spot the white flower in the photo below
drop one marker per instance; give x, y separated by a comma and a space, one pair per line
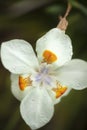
40, 82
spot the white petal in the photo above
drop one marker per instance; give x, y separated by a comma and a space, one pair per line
58, 43
19, 94
74, 74
37, 108
18, 56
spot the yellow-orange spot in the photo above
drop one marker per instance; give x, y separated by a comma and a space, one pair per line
60, 90
24, 82
49, 57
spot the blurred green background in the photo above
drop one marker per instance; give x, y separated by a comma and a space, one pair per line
29, 20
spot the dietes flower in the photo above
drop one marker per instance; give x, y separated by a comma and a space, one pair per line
40, 82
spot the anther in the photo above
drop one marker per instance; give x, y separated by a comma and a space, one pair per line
49, 57
60, 90
24, 82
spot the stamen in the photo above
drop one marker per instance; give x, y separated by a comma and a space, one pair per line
60, 90
49, 57
24, 82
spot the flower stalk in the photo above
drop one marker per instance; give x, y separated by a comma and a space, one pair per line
63, 21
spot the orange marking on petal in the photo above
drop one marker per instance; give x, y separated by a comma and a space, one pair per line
60, 90
49, 57
24, 82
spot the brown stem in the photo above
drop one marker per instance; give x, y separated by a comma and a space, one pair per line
68, 10
63, 21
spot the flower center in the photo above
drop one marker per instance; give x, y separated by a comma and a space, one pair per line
44, 76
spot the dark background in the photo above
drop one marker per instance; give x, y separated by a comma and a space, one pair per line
30, 19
